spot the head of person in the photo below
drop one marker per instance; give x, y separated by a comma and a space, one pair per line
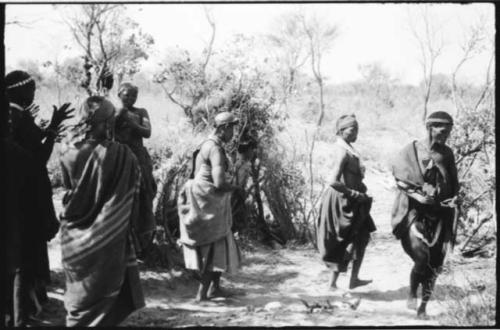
224, 124
98, 115
247, 148
20, 88
128, 94
347, 128
439, 125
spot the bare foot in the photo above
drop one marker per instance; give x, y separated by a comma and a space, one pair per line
201, 298
358, 282
422, 315
333, 288
219, 292
411, 303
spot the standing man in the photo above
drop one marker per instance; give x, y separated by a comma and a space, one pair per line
205, 212
20, 89
423, 216
344, 224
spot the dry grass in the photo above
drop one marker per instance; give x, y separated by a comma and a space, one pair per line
469, 296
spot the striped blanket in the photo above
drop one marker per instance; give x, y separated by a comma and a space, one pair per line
102, 279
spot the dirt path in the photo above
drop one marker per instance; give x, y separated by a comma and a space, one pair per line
272, 284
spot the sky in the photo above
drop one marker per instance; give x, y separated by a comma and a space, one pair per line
368, 32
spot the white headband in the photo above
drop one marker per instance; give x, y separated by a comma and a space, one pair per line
21, 83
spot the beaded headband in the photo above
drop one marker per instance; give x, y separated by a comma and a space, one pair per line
21, 83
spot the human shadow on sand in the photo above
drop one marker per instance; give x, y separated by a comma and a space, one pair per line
402, 293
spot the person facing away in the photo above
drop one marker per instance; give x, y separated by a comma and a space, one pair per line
20, 90
132, 125
344, 224
205, 212
100, 211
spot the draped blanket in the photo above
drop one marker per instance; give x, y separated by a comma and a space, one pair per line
339, 221
405, 168
97, 255
146, 222
205, 214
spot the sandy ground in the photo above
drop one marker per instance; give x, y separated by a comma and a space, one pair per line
272, 285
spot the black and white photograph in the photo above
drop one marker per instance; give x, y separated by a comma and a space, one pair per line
248, 164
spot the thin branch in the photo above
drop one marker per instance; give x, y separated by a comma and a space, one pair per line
212, 39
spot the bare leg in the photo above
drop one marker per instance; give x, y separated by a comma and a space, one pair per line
333, 280
356, 266
427, 288
204, 284
215, 290
414, 283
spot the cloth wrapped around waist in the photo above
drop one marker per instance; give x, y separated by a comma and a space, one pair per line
204, 213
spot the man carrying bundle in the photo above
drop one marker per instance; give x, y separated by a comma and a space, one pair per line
424, 212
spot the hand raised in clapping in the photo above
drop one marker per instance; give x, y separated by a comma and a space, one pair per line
59, 115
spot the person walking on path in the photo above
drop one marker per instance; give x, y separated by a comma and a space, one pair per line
344, 223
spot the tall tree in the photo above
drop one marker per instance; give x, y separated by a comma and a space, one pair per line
427, 32
321, 36
184, 80
475, 41
112, 44
289, 44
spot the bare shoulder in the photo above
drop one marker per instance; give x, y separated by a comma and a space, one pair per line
77, 154
142, 112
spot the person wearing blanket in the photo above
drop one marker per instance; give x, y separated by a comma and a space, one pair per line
205, 212
99, 219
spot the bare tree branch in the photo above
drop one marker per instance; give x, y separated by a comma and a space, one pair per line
430, 43
209, 49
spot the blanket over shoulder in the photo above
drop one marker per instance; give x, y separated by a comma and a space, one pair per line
95, 236
405, 168
204, 213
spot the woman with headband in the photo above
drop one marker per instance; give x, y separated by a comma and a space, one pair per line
29, 286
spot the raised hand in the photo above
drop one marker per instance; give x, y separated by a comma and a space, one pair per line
59, 115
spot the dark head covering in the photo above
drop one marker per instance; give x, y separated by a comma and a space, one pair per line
346, 121
16, 79
94, 110
126, 86
439, 117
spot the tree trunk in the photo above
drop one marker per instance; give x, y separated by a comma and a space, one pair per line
261, 222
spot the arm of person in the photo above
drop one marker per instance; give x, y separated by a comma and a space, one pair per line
48, 144
339, 163
408, 190
454, 174
144, 128
217, 161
